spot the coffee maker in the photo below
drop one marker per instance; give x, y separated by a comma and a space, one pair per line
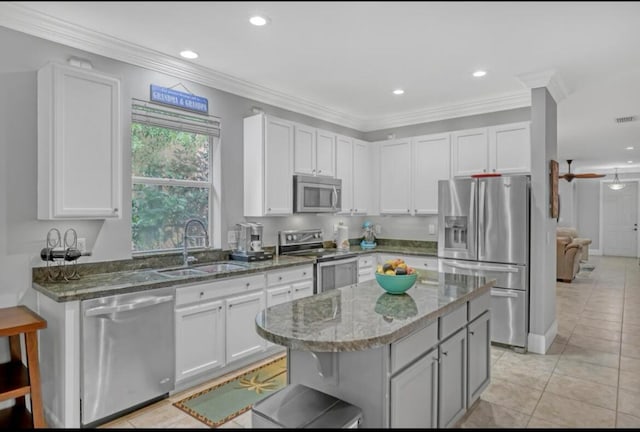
249, 246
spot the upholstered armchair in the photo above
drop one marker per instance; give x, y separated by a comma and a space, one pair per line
569, 252
573, 233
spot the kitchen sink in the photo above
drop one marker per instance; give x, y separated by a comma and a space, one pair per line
182, 272
220, 267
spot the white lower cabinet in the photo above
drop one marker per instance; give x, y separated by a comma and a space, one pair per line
366, 268
302, 289
241, 336
414, 396
200, 338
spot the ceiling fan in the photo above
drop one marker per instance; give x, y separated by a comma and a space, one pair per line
570, 176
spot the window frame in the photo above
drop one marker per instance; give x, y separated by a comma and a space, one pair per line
214, 225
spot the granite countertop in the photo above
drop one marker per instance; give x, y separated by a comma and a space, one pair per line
364, 316
111, 278
121, 282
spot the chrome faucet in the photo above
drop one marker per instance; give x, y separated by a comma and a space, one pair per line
185, 255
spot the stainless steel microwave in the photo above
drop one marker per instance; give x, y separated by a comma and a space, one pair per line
316, 194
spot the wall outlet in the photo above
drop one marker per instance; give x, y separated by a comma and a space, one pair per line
82, 244
377, 228
432, 229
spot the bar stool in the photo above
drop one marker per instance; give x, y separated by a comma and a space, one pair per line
16, 380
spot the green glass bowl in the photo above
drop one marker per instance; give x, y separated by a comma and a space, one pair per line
396, 284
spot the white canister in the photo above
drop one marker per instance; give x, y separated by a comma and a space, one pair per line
342, 237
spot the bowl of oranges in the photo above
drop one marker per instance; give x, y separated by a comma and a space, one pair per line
395, 276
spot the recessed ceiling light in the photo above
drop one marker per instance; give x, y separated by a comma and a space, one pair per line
188, 54
479, 73
398, 92
629, 161
257, 20
629, 148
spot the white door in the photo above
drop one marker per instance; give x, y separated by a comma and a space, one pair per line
470, 152
361, 177
278, 152
620, 219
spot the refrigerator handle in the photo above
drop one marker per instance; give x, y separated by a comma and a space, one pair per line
472, 229
482, 186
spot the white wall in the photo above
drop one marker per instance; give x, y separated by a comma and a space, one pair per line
568, 203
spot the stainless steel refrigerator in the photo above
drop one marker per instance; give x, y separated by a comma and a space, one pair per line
483, 228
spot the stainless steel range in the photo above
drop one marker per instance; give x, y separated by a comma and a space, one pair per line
333, 268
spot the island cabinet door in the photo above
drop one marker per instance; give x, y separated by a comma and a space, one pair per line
452, 395
414, 394
479, 366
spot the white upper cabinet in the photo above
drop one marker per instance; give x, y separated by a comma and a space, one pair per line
510, 148
362, 181
395, 177
304, 160
353, 162
344, 171
79, 144
431, 163
409, 172
314, 151
268, 166
470, 152
325, 153
503, 149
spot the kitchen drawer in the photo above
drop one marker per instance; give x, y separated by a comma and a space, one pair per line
478, 305
408, 349
223, 288
279, 277
422, 262
453, 321
366, 261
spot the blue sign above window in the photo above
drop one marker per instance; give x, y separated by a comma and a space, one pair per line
179, 99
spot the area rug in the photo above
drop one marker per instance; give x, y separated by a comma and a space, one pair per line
227, 400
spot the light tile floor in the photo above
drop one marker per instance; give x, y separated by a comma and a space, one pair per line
590, 377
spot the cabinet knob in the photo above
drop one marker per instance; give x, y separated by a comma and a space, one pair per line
115, 210
219, 307
471, 333
269, 209
494, 170
319, 171
444, 353
484, 170
297, 289
201, 293
279, 278
288, 292
230, 306
304, 273
248, 284
408, 210
356, 210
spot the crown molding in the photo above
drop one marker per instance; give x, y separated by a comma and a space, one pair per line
549, 79
21, 18
514, 100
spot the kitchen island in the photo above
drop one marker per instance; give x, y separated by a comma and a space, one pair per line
418, 359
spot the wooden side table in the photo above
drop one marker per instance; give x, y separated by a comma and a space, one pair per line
16, 379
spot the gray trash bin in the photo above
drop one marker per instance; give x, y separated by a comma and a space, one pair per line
297, 406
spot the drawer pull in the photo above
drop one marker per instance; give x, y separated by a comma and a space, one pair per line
201, 293
279, 278
444, 353
304, 273
248, 284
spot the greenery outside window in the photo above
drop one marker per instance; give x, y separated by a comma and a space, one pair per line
175, 161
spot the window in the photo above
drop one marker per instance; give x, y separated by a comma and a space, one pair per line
175, 164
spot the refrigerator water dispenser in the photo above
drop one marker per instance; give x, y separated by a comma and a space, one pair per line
455, 228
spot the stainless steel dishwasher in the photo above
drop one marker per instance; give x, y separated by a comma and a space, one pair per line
128, 352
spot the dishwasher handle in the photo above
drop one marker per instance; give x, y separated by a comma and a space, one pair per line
105, 310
